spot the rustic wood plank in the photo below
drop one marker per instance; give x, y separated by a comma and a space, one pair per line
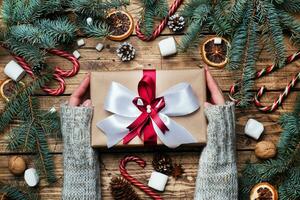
182, 188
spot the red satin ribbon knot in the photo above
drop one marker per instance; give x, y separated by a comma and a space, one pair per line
150, 107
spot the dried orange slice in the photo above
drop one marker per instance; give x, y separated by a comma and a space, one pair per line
120, 25
8, 88
214, 51
263, 191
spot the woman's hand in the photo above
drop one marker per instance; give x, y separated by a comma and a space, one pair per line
78, 96
215, 93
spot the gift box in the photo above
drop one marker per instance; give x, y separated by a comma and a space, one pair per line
138, 108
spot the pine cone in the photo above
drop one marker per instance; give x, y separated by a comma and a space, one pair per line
126, 51
162, 163
122, 190
38, 68
178, 171
176, 23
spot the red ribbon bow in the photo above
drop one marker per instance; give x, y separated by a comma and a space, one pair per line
150, 107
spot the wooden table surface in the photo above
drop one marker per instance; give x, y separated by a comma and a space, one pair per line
148, 56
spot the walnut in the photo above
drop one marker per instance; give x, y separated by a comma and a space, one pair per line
265, 150
16, 165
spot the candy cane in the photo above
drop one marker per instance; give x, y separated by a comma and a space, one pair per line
66, 73
58, 72
279, 100
162, 24
263, 72
132, 180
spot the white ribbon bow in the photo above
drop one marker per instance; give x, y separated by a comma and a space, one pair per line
180, 100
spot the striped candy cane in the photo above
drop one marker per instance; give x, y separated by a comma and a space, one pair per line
263, 72
58, 72
162, 24
132, 180
279, 100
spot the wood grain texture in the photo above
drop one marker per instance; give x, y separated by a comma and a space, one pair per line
182, 188
148, 56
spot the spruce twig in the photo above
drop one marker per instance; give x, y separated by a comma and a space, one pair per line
284, 170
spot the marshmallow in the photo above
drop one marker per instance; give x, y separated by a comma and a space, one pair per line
158, 181
167, 46
31, 177
218, 40
14, 71
80, 42
89, 21
254, 128
99, 47
52, 110
76, 54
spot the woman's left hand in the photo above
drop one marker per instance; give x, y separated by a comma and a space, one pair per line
78, 96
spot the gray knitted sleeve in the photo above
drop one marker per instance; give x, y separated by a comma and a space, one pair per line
81, 166
217, 172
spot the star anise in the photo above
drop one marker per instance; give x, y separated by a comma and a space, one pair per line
177, 171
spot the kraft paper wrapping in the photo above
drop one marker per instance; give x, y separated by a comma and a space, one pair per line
195, 123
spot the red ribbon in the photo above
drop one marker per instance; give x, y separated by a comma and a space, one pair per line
150, 107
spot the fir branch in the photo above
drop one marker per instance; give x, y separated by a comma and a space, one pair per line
152, 10
44, 159
241, 39
161, 8
219, 20
13, 108
291, 24
189, 8
290, 188
237, 11
7, 12
277, 1
13, 192
23, 11
247, 83
221, 17
96, 29
29, 34
61, 30
147, 21
95, 8
31, 135
274, 39
195, 25
291, 6
284, 170
51, 6
33, 55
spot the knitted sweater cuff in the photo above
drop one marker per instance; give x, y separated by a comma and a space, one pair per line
221, 132
76, 114
81, 166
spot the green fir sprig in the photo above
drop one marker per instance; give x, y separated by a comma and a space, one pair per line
152, 10
248, 25
282, 171
31, 135
97, 11
205, 13
265, 25
35, 127
31, 28
15, 192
